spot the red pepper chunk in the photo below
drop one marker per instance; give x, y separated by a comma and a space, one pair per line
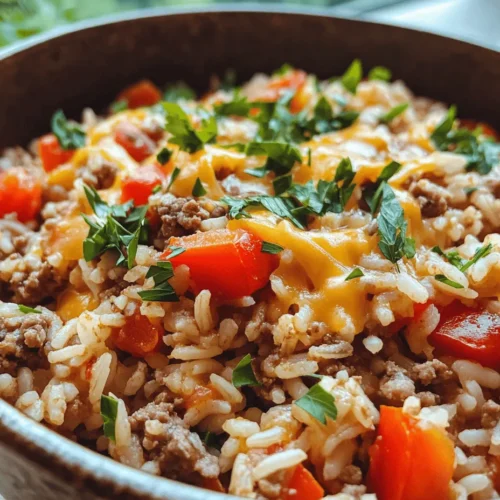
228, 263
137, 144
302, 485
409, 461
20, 193
469, 333
138, 336
139, 186
143, 93
51, 153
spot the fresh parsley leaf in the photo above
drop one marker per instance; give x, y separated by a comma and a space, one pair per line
309, 157
452, 257
373, 192
239, 106
281, 157
443, 279
394, 112
174, 252
392, 227
164, 156
198, 189
109, 412
209, 439
271, 248
469, 190
355, 273
243, 373
179, 91
118, 106
478, 254
380, 73
482, 153
318, 403
353, 75
183, 133
163, 290
156, 189
28, 310
70, 135
120, 228
282, 184
175, 173
283, 69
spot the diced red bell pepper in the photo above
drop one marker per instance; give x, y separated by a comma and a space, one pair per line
302, 485
138, 336
137, 144
228, 263
408, 461
139, 186
143, 93
51, 153
20, 193
469, 333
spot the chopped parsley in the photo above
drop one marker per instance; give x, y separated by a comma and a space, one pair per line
179, 91
355, 273
373, 192
454, 258
469, 190
443, 279
481, 153
109, 412
163, 290
281, 157
239, 106
353, 75
175, 173
394, 112
119, 227
271, 248
198, 189
28, 310
243, 373
392, 227
183, 133
70, 135
174, 252
380, 73
318, 403
478, 254
118, 106
164, 156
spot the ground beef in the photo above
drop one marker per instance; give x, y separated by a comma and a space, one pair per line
100, 175
34, 284
181, 216
21, 338
54, 193
396, 386
433, 199
431, 372
179, 452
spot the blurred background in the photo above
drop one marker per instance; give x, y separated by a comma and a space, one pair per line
474, 20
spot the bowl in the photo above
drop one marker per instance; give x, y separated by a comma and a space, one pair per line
88, 63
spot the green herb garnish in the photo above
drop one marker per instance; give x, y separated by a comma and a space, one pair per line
163, 290
394, 112
380, 73
183, 133
109, 412
355, 273
118, 106
239, 106
271, 248
281, 157
175, 173
373, 193
164, 156
243, 373
443, 279
174, 252
353, 75
454, 258
478, 254
119, 227
70, 135
318, 403
28, 310
198, 189
179, 91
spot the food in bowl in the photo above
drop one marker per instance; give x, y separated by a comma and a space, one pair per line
287, 289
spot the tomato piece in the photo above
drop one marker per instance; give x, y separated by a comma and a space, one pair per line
143, 93
20, 193
399, 324
138, 336
469, 333
137, 144
303, 486
407, 461
200, 395
228, 263
51, 153
291, 80
213, 484
488, 130
139, 186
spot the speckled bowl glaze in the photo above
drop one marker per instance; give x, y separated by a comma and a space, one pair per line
87, 64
